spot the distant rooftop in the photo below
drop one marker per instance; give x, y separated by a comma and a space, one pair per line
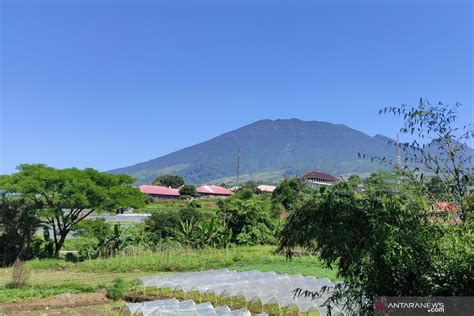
266, 188
158, 190
319, 175
214, 190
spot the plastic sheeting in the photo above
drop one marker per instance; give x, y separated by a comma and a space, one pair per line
173, 307
254, 286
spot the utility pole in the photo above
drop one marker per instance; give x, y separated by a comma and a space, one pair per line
238, 165
399, 160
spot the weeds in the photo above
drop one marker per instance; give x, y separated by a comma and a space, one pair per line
20, 274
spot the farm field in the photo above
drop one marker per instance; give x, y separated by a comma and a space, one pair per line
54, 276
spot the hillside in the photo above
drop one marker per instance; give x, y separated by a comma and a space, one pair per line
269, 150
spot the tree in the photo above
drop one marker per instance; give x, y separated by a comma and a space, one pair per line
188, 190
65, 197
446, 154
287, 192
354, 180
169, 180
18, 225
249, 222
383, 244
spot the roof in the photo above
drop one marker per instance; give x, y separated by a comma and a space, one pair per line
321, 175
213, 189
439, 207
158, 190
266, 188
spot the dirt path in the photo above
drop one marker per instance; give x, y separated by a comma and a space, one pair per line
65, 304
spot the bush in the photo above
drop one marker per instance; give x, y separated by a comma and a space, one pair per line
117, 290
195, 204
165, 224
247, 218
188, 190
384, 243
20, 274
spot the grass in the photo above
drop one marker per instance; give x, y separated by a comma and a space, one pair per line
53, 276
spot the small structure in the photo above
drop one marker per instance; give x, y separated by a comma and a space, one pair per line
159, 192
444, 207
319, 178
213, 191
445, 212
264, 188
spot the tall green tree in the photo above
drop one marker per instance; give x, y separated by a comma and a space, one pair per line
439, 145
288, 192
18, 225
169, 180
188, 189
383, 244
65, 197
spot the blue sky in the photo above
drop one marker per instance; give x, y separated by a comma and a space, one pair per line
95, 84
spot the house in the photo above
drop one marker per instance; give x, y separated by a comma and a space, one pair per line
445, 212
266, 188
213, 191
444, 207
159, 192
319, 178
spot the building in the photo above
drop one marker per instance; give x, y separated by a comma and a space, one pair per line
159, 192
213, 191
319, 178
444, 207
266, 188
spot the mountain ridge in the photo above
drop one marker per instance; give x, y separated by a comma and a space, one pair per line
267, 146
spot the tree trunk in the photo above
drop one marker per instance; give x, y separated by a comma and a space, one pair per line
58, 244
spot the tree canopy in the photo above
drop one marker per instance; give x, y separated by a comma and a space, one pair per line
169, 180
64, 197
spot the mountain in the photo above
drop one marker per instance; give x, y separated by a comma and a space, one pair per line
270, 150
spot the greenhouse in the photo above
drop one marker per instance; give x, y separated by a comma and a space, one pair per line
265, 288
173, 307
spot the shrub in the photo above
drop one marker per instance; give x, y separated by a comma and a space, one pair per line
195, 204
188, 190
20, 274
117, 290
246, 217
384, 244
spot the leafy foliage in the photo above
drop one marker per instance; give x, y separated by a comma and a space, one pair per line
169, 180
117, 290
249, 222
447, 154
288, 192
66, 197
384, 243
188, 190
18, 225
166, 224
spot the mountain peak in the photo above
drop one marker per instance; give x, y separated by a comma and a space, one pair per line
269, 150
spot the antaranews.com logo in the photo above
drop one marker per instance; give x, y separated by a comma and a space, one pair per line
392, 305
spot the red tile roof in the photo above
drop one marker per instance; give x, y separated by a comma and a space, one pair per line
213, 190
320, 175
158, 190
439, 207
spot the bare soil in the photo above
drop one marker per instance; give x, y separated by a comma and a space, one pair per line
64, 304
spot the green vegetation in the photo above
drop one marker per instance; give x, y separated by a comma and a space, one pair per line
54, 276
62, 198
169, 180
118, 289
188, 190
386, 239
